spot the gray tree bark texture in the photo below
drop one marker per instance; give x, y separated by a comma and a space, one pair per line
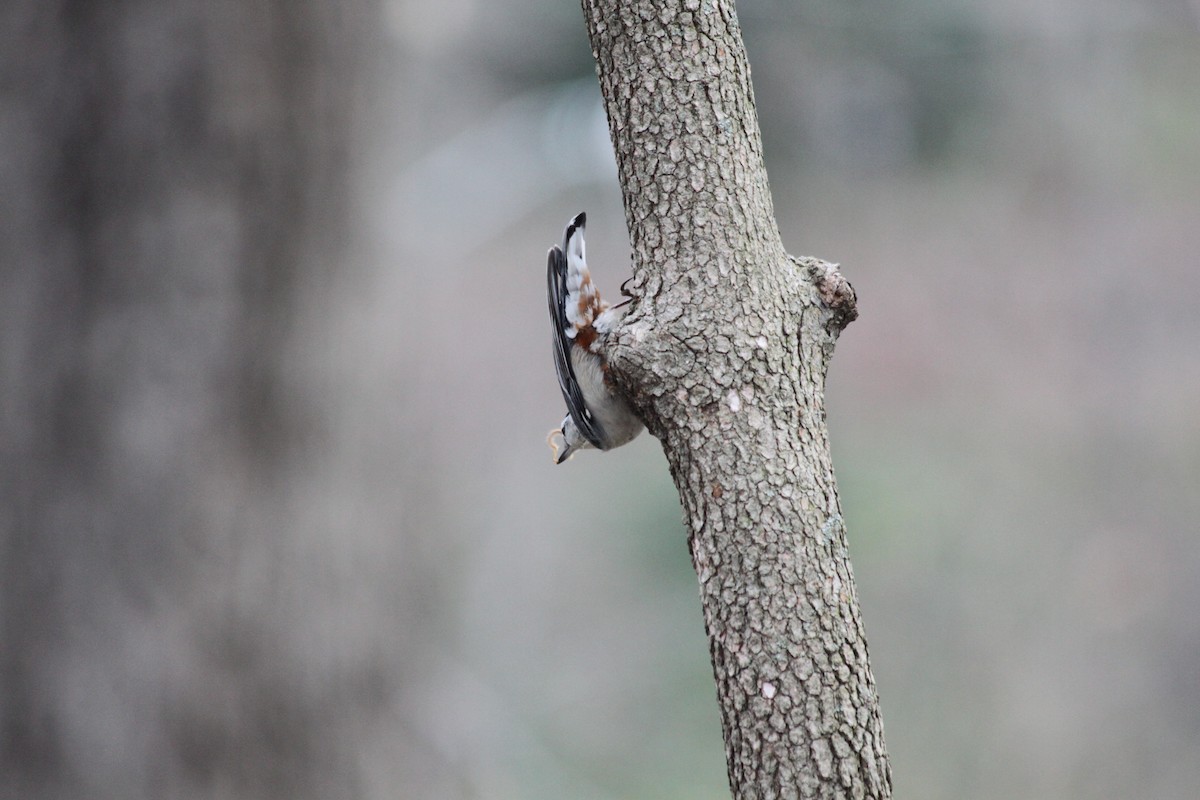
724, 354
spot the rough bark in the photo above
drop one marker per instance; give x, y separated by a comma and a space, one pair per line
725, 354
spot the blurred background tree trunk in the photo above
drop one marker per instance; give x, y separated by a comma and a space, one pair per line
171, 172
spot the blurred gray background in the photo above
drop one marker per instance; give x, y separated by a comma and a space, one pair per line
278, 520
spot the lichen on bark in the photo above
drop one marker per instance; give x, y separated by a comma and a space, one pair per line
724, 354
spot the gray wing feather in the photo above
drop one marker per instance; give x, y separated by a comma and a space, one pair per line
556, 293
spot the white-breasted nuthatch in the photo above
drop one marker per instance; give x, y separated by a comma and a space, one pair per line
597, 416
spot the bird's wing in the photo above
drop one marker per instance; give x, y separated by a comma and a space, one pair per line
556, 293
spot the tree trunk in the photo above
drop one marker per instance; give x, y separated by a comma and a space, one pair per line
171, 171
724, 354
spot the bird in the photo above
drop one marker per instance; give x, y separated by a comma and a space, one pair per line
597, 414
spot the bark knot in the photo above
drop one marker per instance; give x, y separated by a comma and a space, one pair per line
836, 294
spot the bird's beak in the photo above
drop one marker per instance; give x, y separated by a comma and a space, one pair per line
566, 453
567, 450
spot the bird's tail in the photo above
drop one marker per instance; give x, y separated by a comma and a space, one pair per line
583, 303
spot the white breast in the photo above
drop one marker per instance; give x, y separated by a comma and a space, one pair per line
617, 423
